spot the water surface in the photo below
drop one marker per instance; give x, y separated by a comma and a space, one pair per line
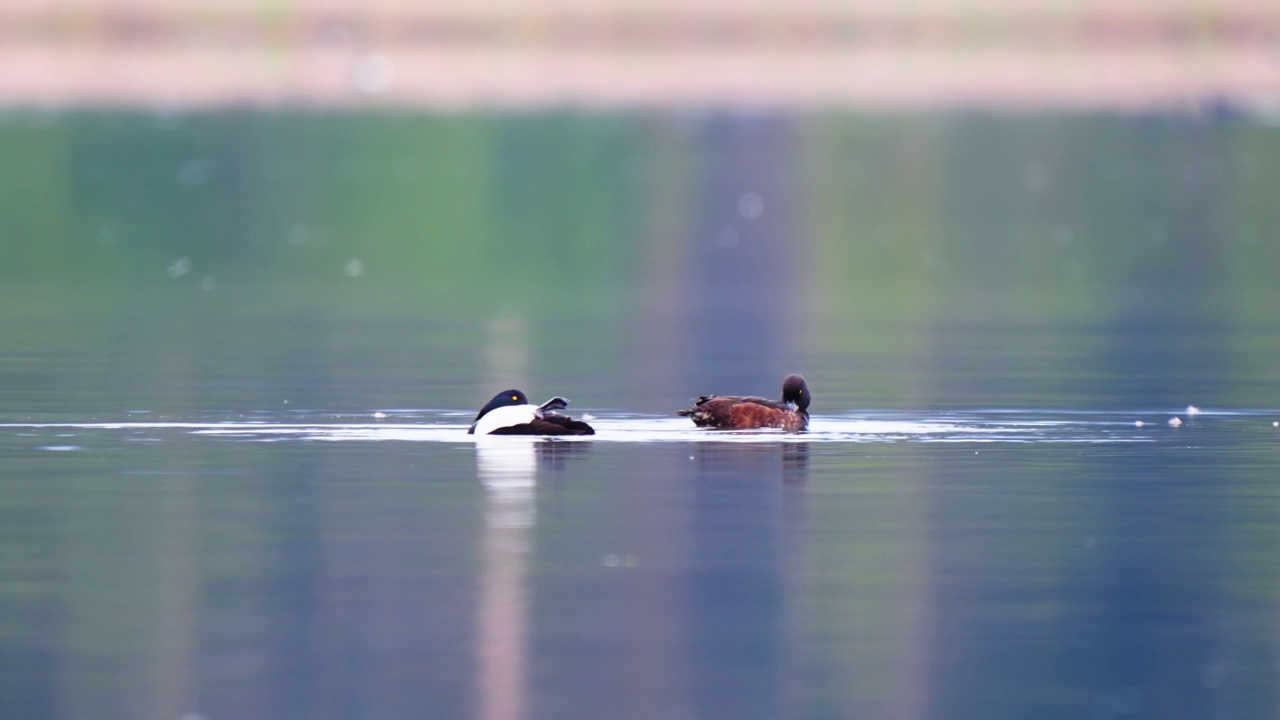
238, 353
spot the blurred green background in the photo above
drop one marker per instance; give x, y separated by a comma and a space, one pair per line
399, 259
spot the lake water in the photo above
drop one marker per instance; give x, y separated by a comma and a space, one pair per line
239, 351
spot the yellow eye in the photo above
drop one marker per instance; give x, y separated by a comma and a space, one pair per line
799, 392
515, 397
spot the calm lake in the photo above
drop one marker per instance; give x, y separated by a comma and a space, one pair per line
239, 352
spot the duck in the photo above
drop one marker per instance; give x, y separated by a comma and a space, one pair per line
510, 413
731, 412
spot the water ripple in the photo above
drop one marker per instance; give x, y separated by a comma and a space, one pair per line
987, 426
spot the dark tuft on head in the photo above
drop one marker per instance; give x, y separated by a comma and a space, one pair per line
795, 390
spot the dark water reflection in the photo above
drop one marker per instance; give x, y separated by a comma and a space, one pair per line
201, 515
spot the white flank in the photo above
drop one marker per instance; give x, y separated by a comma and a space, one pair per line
505, 417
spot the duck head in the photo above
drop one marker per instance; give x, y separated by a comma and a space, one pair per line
796, 390
503, 399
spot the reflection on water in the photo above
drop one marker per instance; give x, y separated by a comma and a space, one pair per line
787, 460
509, 467
521, 578
632, 263
509, 473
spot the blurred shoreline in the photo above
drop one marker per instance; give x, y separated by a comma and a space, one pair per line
496, 54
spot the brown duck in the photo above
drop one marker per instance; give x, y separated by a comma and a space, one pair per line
731, 412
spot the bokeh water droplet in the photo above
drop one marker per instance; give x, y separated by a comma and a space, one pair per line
178, 268
750, 205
